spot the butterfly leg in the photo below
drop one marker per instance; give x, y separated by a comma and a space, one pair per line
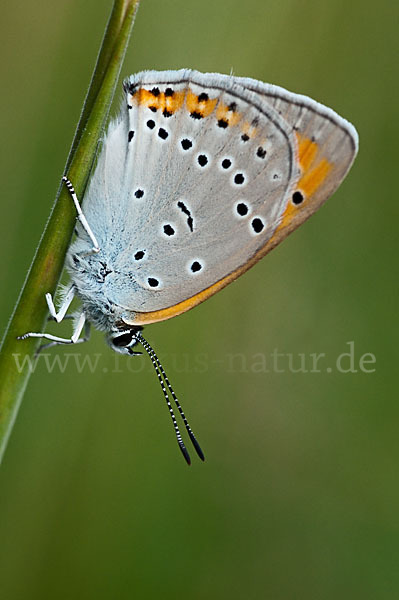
85, 338
54, 339
81, 217
58, 317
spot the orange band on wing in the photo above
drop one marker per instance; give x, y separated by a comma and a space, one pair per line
160, 101
172, 311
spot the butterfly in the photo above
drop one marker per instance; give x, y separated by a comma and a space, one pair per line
198, 178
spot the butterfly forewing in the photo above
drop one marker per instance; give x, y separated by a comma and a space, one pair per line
207, 171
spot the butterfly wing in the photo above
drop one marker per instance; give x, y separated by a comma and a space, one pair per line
211, 165
326, 143
201, 176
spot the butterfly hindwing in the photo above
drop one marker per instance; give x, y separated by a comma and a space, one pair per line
326, 148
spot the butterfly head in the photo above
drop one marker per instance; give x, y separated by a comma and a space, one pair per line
123, 341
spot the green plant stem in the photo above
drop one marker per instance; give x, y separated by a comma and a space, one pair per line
30, 312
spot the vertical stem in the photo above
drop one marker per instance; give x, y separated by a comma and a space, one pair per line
30, 312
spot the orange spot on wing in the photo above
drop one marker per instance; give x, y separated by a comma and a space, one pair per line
248, 129
191, 101
175, 102
224, 112
312, 180
145, 98
204, 107
307, 151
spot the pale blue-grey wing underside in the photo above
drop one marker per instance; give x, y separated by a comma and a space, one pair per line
179, 200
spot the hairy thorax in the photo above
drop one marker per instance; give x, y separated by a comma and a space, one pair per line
94, 278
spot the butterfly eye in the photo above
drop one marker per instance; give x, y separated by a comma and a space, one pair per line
124, 340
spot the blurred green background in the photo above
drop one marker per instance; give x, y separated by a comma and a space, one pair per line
299, 495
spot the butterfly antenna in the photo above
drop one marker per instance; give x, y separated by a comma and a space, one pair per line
155, 361
182, 447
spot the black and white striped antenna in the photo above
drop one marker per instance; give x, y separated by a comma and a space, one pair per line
163, 379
